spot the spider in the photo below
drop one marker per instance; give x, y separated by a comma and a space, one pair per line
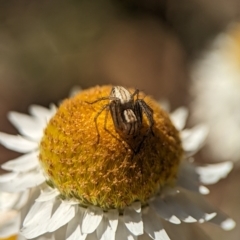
127, 114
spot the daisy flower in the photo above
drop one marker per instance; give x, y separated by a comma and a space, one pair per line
72, 183
216, 94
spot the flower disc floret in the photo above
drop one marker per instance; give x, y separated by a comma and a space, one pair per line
107, 173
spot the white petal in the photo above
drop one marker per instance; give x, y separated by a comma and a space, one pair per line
8, 200
37, 224
113, 215
193, 139
73, 229
17, 143
22, 200
22, 182
46, 236
91, 219
187, 183
7, 177
26, 125
177, 209
10, 224
64, 213
47, 195
194, 206
184, 231
104, 231
132, 218
223, 221
204, 190
228, 224
189, 179
123, 233
23, 163
43, 114
211, 174
92, 236
164, 211
21, 237
37, 210
153, 226
179, 117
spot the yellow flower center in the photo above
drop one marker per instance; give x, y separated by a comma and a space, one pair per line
107, 173
10, 238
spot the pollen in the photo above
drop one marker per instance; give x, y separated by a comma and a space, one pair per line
106, 172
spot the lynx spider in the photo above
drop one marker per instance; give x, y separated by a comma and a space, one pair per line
127, 114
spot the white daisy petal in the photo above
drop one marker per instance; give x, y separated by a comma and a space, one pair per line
226, 223
193, 139
204, 190
7, 177
123, 233
164, 210
184, 231
43, 114
8, 200
132, 218
64, 213
9, 223
22, 182
210, 174
37, 210
153, 226
22, 200
91, 219
179, 117
47, 195
27, 125
216, 94
46, 236
104, 231
218, 218
73, 229
178, 210
195, 207
21, 237
184, 182
189, 179
113, 215
23, 163
14, 201
34, 230
92, 236
37, 224
17, 143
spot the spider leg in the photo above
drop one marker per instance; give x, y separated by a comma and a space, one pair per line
95, 120
101, 99
140, 108
136, 92
148, 112
138, 112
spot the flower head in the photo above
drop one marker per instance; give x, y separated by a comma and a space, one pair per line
83, 186
216, 94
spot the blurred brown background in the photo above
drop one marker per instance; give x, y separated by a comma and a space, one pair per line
46, 47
